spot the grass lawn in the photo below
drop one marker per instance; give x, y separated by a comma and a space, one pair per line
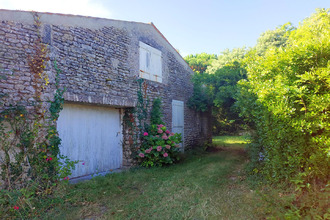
204, 186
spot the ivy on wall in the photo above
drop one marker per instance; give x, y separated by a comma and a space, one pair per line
31, 166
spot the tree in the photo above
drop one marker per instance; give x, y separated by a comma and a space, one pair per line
199, 62
227, 56
287, 98
274, 38
216, 90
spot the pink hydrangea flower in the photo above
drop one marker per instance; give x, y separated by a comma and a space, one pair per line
168, 147
145, 134
159, 148
49, 159
141, 155
171, 134
165, 154
167, 131
160, 131
160, 126
157, 136
148, 151
164, 137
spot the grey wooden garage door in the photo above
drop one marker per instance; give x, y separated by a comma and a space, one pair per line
91, 135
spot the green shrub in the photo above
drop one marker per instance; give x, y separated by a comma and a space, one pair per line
287, 100
159, 147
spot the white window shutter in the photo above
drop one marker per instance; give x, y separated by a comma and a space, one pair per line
143, 64
157, 67
150, 63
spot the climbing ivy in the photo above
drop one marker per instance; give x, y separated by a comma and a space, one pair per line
135, 119
31, 166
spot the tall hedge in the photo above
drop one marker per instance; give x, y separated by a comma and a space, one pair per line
286, 98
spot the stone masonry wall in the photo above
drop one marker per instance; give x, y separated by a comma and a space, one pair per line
99, 59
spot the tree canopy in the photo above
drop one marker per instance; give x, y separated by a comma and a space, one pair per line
281, 89
199, 62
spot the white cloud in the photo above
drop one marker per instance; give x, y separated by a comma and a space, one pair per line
76, 7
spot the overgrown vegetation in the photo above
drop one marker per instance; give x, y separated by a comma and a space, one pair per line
151, 143
204, 186
159, 146
30, 162
284, 98
215, 89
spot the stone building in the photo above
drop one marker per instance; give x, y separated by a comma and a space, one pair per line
101, 60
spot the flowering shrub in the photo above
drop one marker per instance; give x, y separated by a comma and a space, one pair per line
159, 147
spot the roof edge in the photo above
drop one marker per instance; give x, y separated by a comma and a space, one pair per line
152, 24
12, 15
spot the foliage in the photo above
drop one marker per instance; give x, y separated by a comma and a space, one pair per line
273, 38
286, 98
218, 90
156, 112
291, 88
37, 167
159, 147
30, 164
135, 119
146, 143
199, 100
141, 110
201, 187
227, 57
199, 62
133, 134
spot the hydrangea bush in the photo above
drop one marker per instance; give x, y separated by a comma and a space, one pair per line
159, 147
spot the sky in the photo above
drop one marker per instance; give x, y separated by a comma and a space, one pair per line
191, 26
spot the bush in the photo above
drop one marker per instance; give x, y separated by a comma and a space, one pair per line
287, 99
159, 147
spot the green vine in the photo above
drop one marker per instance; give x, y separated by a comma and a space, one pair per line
31, 166
135, 119
141, 109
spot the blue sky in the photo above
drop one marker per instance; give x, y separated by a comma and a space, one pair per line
191, 26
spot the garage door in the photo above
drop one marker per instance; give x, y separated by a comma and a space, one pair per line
92, 135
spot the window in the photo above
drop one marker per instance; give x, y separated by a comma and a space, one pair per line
150, 63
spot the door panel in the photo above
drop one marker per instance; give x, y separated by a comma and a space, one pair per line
91, 135
178, 119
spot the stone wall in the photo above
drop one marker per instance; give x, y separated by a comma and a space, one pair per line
99, 59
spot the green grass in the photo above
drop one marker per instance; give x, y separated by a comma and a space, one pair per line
203, 186
230, 141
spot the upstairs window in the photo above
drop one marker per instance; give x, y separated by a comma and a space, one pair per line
150, 63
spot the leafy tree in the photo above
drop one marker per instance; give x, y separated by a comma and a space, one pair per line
199, 100
200, 62
286, 97
273, 38
217, 91
227, 57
